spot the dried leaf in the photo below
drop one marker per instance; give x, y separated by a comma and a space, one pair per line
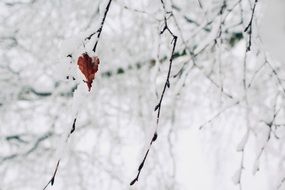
88, 66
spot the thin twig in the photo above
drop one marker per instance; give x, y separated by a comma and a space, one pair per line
218, 114
166, 85
270, 125
99, 31
248, 29
102, 24
51, 181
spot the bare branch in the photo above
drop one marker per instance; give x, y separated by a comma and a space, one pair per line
101, 27
166, 85
248, 29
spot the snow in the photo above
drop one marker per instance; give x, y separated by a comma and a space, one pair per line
243, 141
236, 177
272, 28
116, 119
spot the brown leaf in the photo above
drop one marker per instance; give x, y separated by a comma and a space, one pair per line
88, 66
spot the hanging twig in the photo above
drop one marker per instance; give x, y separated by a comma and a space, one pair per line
102, 24
99, 31
51, 181
166, 85
248, 29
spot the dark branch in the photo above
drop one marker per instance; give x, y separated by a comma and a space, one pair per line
166, 85
101, 27
94, 50
248, 29
51, 181
73, 126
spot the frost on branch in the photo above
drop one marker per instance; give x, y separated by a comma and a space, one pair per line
88, 66
243, 142
236, 177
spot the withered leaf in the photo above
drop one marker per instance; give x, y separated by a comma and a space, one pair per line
88, 66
